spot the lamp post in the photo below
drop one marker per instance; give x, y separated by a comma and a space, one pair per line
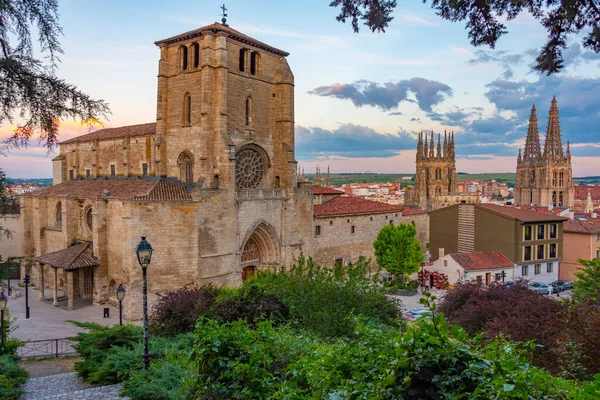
120, 297
503, 275
27, 281
3, 301
144, 255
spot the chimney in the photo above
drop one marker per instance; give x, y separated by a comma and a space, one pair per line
594, 215
440, 252
550, 206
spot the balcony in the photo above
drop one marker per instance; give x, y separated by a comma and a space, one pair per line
260, 194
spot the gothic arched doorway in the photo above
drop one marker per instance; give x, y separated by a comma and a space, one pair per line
261, 248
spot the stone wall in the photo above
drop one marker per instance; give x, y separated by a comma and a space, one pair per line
337, 239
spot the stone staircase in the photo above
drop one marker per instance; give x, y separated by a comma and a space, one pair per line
67, 386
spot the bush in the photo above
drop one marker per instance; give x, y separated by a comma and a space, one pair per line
579, 352
251, 304
11, 377
176, 311
518, 313
428, 361
107, 353
324, 299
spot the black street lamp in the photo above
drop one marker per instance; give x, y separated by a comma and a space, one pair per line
144, 255
3, 301
503, 275
120, 297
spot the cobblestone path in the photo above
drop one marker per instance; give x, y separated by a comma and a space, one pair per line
67, 386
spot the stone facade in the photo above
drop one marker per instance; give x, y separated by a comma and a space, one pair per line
544, 179
435, 179
212, 183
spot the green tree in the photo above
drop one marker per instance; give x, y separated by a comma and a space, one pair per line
588, 285
397, 249
484, 21
31, 96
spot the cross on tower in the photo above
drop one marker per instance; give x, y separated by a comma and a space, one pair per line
224, 19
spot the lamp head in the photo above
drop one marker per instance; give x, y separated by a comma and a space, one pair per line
120, 292
144, 252
3, 301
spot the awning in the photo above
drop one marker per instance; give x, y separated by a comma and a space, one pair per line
71, 258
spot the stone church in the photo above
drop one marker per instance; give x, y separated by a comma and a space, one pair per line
435, 178
212, 184
544, 179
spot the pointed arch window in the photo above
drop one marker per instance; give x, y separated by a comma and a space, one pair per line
438, 191
196, 53
186, 168
561, 179
187, 109
58, 215
249, 111
438, 173
532, 179
183, 53
554, 175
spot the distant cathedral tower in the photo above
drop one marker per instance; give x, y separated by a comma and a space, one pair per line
436, 171
544, 179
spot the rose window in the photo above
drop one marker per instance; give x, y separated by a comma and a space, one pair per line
249, 169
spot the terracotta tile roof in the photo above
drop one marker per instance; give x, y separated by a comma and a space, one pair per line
352, 205
114, 133
521, 214
589, 226
412, 211
217, 27
71, 258
147, 189
325, 190
480, 260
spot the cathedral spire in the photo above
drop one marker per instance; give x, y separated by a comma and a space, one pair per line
553, 147
420, 146
318, 177
439, 146
328, 178
425, 148
431, 147
568, 150
532, 143
519, 160
445, 145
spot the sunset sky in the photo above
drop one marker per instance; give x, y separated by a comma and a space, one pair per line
361, 99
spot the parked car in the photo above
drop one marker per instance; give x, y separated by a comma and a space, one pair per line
539, 287
510, 284
418, 314
561, 286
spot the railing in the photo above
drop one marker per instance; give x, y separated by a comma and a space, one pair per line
47, 348
253, 194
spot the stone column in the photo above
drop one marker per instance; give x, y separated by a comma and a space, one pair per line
55, 302
41, 282
70, 290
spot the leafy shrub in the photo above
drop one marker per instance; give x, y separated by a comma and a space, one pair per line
251, 304
107, 353
176, 311
579, 352
430, 360
323, 299
518, 313
11, 377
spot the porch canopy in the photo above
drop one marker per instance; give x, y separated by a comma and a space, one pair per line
71, 259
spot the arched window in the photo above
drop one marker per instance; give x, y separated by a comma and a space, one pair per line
554, 200
438, 191
532, 178
560, 199
243, 60
249, 111
186, 168
183, 50
196, 51
554, 179
187, 109
58, 215
427, 175
89, 220
561, 179
438, 173
254, 63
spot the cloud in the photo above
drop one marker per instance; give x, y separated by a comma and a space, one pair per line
389, 95
501, 58
351, 141
396, 113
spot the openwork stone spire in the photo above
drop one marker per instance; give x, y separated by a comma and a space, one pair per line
439, 146
431, 146
553, 147
532, 143
426, 147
